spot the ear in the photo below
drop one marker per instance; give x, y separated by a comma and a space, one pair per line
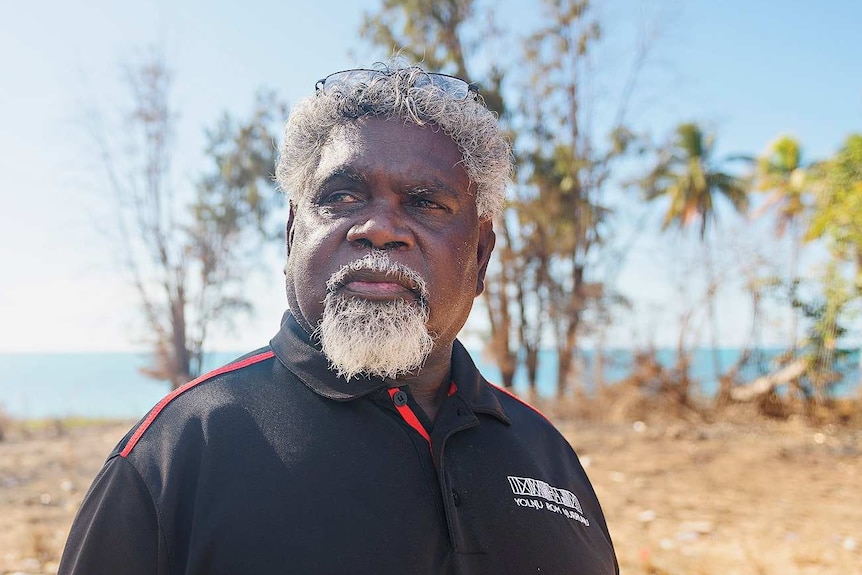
288, 229
487, 239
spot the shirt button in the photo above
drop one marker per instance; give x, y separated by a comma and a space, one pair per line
400, 398
456, 498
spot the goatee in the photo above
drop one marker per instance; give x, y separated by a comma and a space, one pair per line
373, 338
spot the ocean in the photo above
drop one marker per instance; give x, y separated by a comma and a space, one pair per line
109, 385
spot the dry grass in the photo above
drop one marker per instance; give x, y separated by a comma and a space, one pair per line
684, 491
45, 469
770, 497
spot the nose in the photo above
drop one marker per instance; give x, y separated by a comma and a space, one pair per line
381, 228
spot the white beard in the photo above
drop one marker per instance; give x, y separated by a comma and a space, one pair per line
373, 338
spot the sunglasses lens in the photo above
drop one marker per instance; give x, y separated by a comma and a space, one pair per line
350, 79
453, 86
346, 79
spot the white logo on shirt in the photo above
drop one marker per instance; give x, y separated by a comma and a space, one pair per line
555, 499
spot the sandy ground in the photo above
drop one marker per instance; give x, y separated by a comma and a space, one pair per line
781, 498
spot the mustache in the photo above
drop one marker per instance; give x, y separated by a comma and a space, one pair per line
379, 262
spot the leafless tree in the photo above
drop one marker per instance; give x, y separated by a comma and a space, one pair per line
184, 247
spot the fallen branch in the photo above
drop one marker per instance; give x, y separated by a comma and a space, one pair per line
765, 384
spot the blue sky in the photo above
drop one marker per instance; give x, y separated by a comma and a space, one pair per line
749, 70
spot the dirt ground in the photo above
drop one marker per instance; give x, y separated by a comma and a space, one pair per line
774, 497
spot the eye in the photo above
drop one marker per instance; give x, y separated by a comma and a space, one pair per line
426, 201
338, 197
428, 204
333, 203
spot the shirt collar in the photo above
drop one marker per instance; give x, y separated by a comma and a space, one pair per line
297, 352
302, 356
474, 389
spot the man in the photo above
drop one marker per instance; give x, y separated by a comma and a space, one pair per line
362, 439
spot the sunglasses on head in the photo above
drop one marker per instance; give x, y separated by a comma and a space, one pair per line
451, 85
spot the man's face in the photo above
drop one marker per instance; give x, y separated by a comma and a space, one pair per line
399, 188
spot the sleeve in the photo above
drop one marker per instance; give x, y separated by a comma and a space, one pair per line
117, 528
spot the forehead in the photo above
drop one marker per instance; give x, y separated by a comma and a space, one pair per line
376, 147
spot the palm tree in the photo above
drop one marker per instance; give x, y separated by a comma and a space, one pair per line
693, 180
687, 174
781, 174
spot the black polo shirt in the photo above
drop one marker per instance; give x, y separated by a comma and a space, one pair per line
273, 465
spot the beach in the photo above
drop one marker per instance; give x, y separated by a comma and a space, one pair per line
679, 498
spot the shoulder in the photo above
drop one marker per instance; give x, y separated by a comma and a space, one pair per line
528, 422
194, 402
519, 410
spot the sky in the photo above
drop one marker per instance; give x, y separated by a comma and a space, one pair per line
748, 70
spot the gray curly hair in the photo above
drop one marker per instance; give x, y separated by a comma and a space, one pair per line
398, 92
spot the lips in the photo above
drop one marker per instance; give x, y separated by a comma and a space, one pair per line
377, 285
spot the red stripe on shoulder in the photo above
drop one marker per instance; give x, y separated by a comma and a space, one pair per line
154, 413
519, 400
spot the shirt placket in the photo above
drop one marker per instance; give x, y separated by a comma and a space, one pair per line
454, 416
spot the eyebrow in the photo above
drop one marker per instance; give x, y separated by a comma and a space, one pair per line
343, 172
433, 186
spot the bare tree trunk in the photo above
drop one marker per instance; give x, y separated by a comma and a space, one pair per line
711, 294
571, 320
530, 332
794, 277
499, 309
599, 361
564, 368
